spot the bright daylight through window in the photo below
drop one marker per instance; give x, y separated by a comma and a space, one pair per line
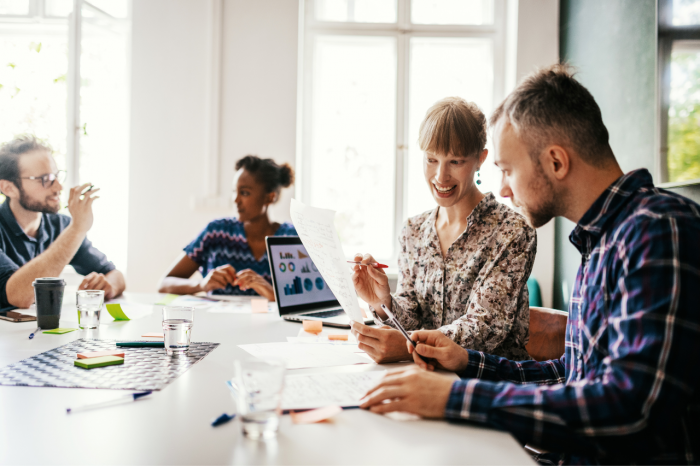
372, 68
37, 90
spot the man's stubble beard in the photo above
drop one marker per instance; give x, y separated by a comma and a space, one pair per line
34, 206
548, 206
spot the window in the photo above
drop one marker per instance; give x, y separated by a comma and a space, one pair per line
63, 78
679, 78
372, 68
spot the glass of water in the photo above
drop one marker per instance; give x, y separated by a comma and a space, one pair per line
177, 329
259, 386
89, 303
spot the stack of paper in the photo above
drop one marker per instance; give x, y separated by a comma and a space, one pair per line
301, 356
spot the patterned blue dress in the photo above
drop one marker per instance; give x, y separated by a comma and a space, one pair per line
222, 242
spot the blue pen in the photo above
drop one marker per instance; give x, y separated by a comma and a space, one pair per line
121, 399
223, 419
31, 335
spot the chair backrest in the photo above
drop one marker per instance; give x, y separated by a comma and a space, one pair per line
547, 333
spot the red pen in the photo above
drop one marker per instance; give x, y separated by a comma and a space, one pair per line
376, 265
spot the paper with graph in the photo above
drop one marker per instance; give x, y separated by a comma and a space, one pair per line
317, 231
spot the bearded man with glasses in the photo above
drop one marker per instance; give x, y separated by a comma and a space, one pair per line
35, 240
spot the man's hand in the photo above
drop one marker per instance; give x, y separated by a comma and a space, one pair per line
383, 344
371, 284
411, 390
219, 278
248, 278
81, 209
98, 281
442, 352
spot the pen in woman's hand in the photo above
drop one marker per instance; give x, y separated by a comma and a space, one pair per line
376, 265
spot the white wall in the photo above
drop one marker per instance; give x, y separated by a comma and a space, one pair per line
537, 44
169, 115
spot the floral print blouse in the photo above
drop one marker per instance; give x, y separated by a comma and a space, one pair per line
477, 294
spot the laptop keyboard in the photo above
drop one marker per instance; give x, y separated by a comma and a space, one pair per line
331, 313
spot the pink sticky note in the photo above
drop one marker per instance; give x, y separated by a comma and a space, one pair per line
259, 305
153, 335
315, 415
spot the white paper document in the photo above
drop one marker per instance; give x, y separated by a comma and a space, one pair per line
298, 356
308, 391
316, 228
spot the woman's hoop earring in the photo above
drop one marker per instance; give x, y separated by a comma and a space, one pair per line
478, 176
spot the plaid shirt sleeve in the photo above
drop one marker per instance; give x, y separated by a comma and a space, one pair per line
645, 327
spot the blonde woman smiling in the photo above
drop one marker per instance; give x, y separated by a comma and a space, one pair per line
463, 266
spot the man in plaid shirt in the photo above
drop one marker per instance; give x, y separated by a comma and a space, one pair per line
626, 389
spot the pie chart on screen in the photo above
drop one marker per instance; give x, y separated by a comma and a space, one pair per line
308, 285
319, 283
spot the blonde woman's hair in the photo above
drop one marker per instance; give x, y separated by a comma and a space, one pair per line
453, 125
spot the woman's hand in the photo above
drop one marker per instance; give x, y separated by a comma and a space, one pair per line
440, 351
219, 278
248, 279
371, 284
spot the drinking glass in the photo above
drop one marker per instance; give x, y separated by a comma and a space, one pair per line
177, 329
259, 386
89, 303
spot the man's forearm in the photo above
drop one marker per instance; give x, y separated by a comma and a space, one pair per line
116, 279
50, 263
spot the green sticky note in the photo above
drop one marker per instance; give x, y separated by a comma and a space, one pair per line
90, 363
115, 310
167, 299
60, 331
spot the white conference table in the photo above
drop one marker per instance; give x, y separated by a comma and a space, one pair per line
173, 426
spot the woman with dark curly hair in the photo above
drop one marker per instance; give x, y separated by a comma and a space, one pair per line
230, 252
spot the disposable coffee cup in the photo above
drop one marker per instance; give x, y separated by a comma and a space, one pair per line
48, 296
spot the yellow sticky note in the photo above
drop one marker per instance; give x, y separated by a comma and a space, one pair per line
115, 310
167, 299
258, 305
60, 331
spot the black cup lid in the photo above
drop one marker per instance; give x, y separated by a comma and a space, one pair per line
49, 281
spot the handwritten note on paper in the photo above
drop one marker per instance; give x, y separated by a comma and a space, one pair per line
306, 391
317, 231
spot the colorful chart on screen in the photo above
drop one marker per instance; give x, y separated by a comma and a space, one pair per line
298, 279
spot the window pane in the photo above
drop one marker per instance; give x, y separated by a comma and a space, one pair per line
116, 8
686, 12
14, 7
684, 113
452, 11
358, 11
443, 67
33, 85
350, 166
104, 141
58, 8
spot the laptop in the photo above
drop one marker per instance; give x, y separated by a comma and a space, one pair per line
300, 290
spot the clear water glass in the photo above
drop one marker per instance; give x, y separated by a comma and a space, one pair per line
259, 386
89, 304
177, 329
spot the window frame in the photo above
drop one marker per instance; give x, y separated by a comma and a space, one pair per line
667, 35
403, 31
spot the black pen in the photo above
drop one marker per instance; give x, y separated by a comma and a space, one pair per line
400, 328
141, 344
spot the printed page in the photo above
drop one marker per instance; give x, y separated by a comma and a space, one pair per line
298, 356
317, 231
308, 391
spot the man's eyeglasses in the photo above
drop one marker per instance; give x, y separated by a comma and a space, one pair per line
48, 179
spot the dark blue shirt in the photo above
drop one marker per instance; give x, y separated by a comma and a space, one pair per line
223, 242
16, 248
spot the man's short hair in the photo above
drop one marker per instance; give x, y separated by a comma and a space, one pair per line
10, 153
453, 125
551, 107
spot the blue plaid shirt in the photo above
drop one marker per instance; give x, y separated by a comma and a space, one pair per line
626, 388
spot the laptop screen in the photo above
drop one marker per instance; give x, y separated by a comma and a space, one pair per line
296, 278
